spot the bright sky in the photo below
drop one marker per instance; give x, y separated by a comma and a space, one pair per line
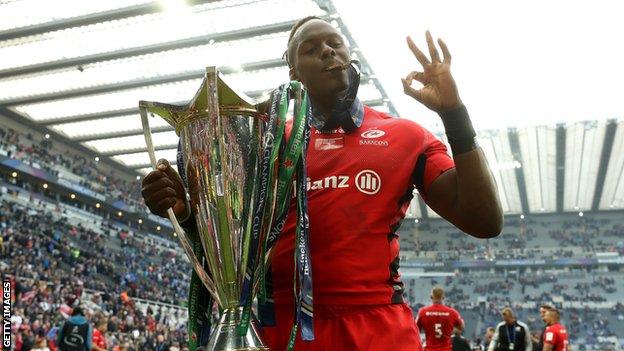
516, 63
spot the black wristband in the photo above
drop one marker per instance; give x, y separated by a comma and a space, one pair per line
459, 131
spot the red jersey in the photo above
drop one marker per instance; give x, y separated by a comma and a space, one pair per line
557, 336
438, 321
359, 187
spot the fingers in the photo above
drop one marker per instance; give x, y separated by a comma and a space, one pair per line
162, 206
160, 201
419, 76
445, 51
424, 61
433, 51
164, 166
151, 177
152, 188
408, 90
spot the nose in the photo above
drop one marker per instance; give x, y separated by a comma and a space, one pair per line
327, 51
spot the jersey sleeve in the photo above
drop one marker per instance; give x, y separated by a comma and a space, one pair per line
419, 322
432, 161
457, 319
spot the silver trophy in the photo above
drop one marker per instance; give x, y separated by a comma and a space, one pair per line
221, 133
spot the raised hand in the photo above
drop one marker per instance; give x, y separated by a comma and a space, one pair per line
439, 91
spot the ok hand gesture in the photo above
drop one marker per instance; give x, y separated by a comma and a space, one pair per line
439, 92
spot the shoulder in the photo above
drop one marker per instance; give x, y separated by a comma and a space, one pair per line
523, 325
500, 325
378, 118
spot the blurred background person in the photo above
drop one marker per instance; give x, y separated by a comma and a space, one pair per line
511, 334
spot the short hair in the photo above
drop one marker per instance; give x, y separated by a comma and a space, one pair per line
546, 306
508, 311
555, 312
294, 30
437, 293
491, 329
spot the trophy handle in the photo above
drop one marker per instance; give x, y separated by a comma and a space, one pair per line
183, 238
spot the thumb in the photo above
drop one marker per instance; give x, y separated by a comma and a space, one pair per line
164, 166
408, 90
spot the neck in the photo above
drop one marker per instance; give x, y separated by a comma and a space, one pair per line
439, 302
325, 104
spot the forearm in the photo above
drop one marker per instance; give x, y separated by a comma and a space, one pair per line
477, 201
467, 195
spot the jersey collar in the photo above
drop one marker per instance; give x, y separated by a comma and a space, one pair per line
356, 112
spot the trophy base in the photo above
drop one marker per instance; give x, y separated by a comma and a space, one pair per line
225, 337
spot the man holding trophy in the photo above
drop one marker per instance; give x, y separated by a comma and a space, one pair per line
358, 174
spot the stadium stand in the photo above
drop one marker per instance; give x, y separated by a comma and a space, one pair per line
62, 253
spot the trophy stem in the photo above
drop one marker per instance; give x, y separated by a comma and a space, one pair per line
225, 337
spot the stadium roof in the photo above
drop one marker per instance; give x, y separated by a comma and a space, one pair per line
77, 69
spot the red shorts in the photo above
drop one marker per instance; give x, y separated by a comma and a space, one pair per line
349, 328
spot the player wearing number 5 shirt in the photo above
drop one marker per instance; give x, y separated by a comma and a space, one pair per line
438, 321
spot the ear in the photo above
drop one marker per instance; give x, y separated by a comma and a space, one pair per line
293, 74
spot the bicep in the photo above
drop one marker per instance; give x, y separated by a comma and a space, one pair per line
442, 194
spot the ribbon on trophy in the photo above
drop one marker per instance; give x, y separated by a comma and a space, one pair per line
292, 161
199, 308
272, 140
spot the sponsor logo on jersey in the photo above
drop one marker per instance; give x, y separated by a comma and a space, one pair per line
331, 182
368, 182
328, 143
434, 313
373, 134
373, 142
339, 130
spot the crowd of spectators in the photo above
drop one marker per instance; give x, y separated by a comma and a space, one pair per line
41, 154
52, 271
579, 237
